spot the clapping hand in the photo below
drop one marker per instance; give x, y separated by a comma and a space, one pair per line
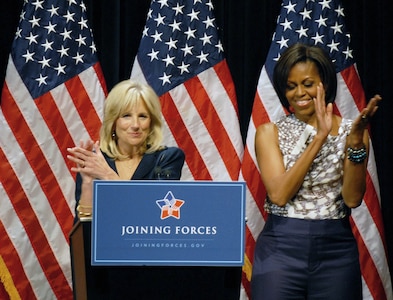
361, 122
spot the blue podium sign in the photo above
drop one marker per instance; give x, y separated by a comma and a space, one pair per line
168, 223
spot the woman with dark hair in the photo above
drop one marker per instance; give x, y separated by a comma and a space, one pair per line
301, 53
313, 165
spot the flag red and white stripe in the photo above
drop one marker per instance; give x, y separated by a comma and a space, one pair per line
181, 57
42, 114
317, 22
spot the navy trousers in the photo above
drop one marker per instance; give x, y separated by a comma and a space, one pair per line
306, 259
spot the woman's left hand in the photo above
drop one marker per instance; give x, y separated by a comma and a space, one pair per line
89, 161
361, 122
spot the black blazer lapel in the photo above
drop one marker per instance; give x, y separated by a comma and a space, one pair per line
146, 167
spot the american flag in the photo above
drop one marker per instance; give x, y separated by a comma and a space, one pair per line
182, 58
317, 22
52, 98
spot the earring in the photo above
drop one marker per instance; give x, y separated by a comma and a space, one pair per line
113, 135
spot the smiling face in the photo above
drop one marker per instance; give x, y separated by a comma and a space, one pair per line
301, 88
133, 128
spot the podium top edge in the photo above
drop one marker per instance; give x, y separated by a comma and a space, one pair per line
180, 182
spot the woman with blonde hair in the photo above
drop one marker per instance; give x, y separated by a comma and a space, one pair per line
130, 146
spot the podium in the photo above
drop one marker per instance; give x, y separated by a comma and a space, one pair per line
142, 281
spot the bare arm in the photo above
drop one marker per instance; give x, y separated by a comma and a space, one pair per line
354, 180
281, 185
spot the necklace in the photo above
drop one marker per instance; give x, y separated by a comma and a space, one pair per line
131, 164
126, 168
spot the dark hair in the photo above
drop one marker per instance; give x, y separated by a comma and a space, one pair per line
303, 53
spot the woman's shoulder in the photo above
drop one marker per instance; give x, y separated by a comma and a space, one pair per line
345, 126
266, 128
171, 149
173, 152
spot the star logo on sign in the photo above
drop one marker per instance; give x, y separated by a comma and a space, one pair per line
170, 206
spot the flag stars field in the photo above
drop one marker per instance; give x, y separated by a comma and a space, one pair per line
48, 39
53, 97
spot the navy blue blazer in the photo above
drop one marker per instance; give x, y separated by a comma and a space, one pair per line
164, 164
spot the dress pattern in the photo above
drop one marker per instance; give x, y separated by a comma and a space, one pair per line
320, 194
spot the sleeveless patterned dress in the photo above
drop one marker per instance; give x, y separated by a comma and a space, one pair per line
320, 194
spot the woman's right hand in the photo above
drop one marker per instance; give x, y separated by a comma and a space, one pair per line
90, 162
323, 112
76, 156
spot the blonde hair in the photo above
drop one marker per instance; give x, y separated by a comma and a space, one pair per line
124, 95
